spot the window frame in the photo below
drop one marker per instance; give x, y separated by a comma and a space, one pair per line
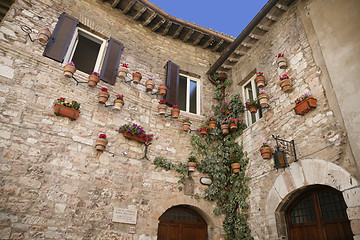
187, 104
73, 44
245, 96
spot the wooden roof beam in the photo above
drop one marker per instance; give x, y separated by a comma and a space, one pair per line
255, 36
263, 27
152, 16
197, 40
188, 35
178, 31
139, 13
282, 7
208, 42
115, 3
272, 17
218, 45
156, 27
128, 7
166, 30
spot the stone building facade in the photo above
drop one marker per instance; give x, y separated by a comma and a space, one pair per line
55, 185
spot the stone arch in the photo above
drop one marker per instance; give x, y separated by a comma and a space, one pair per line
304, 173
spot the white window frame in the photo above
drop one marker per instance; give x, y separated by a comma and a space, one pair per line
74, 42
188, 79
247, 114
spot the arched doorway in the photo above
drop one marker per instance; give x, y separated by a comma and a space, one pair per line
318, 213
181, 223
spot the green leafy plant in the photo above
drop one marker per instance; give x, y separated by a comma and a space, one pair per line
186, 120
61, 101
252, 103
135, 130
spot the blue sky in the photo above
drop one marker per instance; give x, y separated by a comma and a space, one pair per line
227, 16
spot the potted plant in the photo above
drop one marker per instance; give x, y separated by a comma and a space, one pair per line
186, 124
225, 127
212, 123
135, 132
265, 150
175, 112
281, 61
204, 127
69, 69
260, 80
103, 95
44, 35
285, 83
192, 164
137, 77
162, 107
119, 102
93, 79
233, 122
263, 98
162, 89
252, 105
101, 142
235, 163
123, 70
66, 109
304, 104
150, 84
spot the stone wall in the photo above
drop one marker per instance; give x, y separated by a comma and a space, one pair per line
318, 135
54, 184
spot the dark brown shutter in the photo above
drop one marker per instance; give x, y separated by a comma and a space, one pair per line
172, 83
111, 62
59, 42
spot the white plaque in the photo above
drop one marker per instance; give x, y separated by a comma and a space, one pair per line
123, 215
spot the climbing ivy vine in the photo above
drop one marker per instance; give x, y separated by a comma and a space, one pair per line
214, 152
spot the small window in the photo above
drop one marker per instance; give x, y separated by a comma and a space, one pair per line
189, 94
86, 51
250, 91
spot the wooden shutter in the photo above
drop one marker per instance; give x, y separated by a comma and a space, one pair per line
59, 42
172, 83
111, 62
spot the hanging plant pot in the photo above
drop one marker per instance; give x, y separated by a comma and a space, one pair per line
61, 110
222, 77
162, 90
123, 71
235, 167
203, 132
93, 80
101, 143
175, 112
118, 104
233, 126
150, 84
131, 136
212, 124
253, 109
265, 152
191, 166
260, 80
186, 126
285, 85
69, 70
136, 77
103, 96
162, 109
263, 100
281, 62
225, 129
44, 35
305, 106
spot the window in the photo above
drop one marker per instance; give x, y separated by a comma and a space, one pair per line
86, 51
250, 91
188, 94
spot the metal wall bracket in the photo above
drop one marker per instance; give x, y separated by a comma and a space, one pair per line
77, 82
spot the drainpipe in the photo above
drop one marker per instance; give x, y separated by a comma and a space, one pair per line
247, 30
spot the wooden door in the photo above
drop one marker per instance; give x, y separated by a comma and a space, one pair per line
318, 214
181, 223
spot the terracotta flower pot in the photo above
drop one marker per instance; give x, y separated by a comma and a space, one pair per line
203, 132
162, 90
281, 62
253, 109
44, 35
103, 96
285, 85
136, 78
265, 152
260, 81
186, 126
122, 73
212, 124
235, 167
263, 99
162, 109
69, 71
61, 110
222, 77
118, 104
233, 126
100, 144
225, 129
191, 166
150, 84
131, 136
93, 80
175, 112
227, 112
305, 106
